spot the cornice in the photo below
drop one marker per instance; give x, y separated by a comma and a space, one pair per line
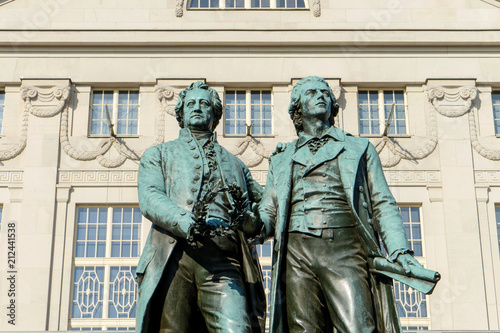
250, 37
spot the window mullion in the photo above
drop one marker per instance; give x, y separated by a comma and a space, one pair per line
248, 118
222, 4
109, 231
381, 112
114, 111
105, 296
272, 4
247, 4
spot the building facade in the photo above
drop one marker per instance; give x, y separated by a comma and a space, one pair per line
87, 86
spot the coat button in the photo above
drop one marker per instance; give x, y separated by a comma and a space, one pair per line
360, 189
175, 223
193, 190
365, 205
190, 202
196, 178
324, 175
171, 241
305, 199
324, 185
183, 213
370, 221
197, 166
196, 156
192, 147
322, 209
190, 140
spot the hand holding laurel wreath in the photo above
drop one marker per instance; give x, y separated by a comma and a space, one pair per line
213, 227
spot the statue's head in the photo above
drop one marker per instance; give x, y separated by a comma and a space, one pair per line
312, 94
198, 107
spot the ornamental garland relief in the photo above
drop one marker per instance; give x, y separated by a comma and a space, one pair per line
450, 101
455, 102
40, 101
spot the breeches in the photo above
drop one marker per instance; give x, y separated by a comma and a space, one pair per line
327, 282
206, 280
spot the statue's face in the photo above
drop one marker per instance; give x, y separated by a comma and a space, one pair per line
198, 110
315, 100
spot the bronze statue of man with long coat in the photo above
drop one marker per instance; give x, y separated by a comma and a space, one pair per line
326, 202
215, 285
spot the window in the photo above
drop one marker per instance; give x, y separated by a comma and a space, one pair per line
372, 120
2, 107
497, 214
265, 257
495, 99
411, 303
247, 4
106, 253
410, 329
248, 108
120, 107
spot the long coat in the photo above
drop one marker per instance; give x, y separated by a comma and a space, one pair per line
170, 180
373, 207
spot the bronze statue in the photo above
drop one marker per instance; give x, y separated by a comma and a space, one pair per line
326, 202
197, 274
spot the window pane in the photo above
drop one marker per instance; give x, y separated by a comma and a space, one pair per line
290, 3
265, 4
497, 214
495, 97
88, 290
214, 3
203, 3
123, 293
409, 302
301, 4
255, 3
240, 3
280, 3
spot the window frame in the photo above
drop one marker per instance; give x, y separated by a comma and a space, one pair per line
107, 262
497, 105
248, 6
2, 113
114, 115
381, 110
416, 321
248, 111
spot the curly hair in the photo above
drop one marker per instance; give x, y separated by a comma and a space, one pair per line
294, 108
216, 103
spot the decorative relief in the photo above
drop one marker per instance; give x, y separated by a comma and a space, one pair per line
260, 176
316, 7
487, 177
412, 177
179, 7
17, 148
167, 98
452, 101
125, 178
45, 97
491, 154
425, 145
11, 177
260, 152
459, 101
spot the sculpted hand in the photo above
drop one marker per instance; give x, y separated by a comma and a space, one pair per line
251, 221
407, 261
